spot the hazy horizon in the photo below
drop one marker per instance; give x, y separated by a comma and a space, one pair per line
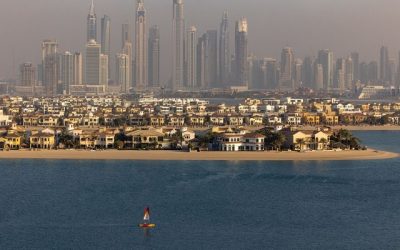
305, 25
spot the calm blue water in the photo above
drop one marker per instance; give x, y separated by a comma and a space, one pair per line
203, 205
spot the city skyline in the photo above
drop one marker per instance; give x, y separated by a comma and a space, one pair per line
121, 11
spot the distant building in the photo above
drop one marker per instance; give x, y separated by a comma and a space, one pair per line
127, 50
154, 56
123, 72
298, 73
212, 58
307, 77
141, 72
92, 62
271, 71
27, 79
191, 58
349, 75
287, 62
201, 61
106, 39
384, 70
67, 71
325, 58
224, 51
50, 66
318, 76
71, 71
178, 45
241, 53
340, 74
78, 69
355, 57
104, 70
27, 75
92, 24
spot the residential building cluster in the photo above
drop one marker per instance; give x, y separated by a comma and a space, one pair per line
106, 121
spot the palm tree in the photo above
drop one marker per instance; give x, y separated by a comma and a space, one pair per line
66, 139
324, 141
301, 142
280, 140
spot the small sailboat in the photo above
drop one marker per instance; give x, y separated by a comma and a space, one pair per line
146, 219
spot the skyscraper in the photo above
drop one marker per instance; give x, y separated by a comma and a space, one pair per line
287, 62
92, 62
398, 72
154, 56
349, 73
308, 78
27, 74
318, 76
126, 34
384, 65
271, 77
212, 58
391, 72
241, 53
178, 43
141, 65
106, 38
123, 72
325, 58
355, 57
27, 79
104, 70
92, 24
78, 68
373, 72
50, 64
298, 73
340, 74
191, 58
224, 51
67, 71
201, 61
127, 50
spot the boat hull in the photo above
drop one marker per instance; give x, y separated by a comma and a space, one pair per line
147, 225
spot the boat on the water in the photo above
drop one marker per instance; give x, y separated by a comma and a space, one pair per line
146, 219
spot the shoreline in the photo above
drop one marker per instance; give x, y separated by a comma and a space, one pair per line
364, 127
198, 156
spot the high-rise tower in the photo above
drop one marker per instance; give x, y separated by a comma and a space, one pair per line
154, 56
92, 24
287, 61
241, 53
212, 58
127, 50
325, 58
93, 52
178, 43
50, 66
224, 51
141, 46
106, 38
191, 58
384, 71
123, 72
355, 57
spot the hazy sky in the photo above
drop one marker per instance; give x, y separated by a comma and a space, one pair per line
305, 25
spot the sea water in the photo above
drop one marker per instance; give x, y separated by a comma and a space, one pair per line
50, 204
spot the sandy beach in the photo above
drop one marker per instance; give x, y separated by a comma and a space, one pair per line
198, 156
366, 128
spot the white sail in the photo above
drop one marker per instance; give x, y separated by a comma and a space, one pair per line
146, 217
